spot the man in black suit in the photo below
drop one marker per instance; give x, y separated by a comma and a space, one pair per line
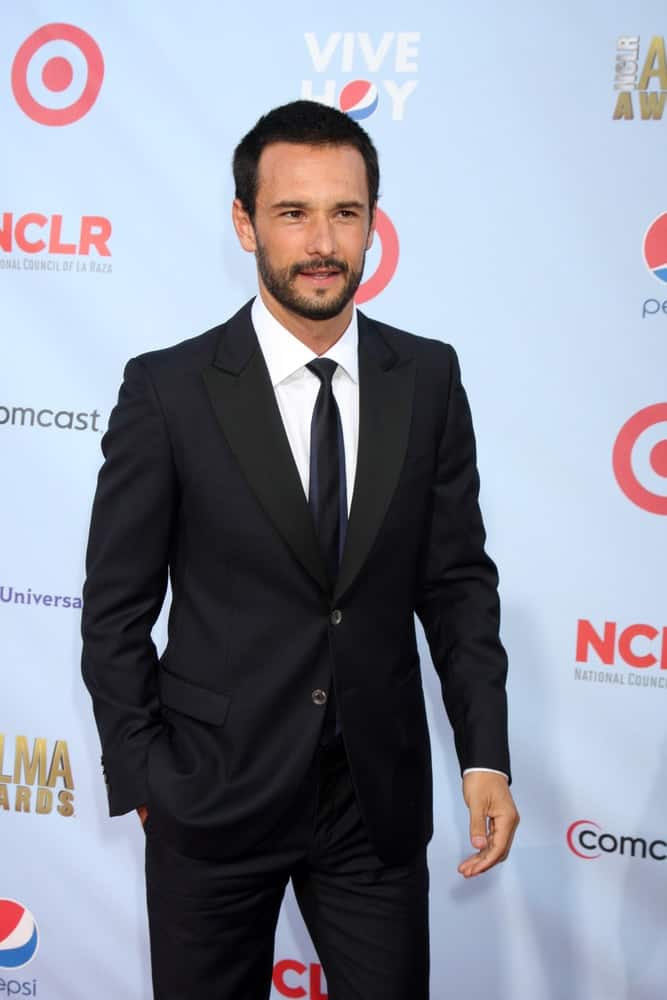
306, 478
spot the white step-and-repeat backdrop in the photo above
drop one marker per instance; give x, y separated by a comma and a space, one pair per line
524, 219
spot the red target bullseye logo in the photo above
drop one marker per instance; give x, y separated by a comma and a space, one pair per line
386, 233
644, 433
48, 83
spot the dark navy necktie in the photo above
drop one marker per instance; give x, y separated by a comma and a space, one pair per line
327, 494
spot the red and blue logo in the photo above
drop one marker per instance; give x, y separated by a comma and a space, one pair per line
655, 247
19, 936
359, 99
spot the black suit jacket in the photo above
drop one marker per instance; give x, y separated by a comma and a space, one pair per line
199, 484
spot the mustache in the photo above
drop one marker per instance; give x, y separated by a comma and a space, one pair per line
326, 263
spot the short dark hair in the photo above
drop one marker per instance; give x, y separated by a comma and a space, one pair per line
305, 122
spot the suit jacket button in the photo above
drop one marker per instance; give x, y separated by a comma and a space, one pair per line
319, 696
336, 616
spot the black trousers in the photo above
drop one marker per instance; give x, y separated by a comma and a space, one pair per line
212, 924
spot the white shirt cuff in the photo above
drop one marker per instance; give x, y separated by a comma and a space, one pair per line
489, 770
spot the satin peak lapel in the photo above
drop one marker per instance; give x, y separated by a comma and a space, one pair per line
244, 402
386, 387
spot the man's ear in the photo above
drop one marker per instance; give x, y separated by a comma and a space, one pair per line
243, 226
371, 228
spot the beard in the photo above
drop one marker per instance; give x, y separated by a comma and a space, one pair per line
280, 283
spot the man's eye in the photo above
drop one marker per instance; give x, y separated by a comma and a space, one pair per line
292, 213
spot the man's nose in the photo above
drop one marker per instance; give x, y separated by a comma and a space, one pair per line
321, 238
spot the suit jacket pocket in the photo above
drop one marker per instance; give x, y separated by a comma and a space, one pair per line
191, 699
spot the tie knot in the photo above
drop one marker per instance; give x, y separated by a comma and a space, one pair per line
324, 368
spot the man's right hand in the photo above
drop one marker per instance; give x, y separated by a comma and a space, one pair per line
142, 813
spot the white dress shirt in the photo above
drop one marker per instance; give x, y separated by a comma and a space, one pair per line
296, 389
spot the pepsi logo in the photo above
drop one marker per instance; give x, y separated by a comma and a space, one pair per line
385, 232
57, 74
359, 99
640, 458
19, 936
655, 247
362, 57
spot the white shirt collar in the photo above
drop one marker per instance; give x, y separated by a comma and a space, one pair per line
285, 355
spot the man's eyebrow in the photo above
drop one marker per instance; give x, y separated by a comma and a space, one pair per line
295, 203
289, 203
350, 204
